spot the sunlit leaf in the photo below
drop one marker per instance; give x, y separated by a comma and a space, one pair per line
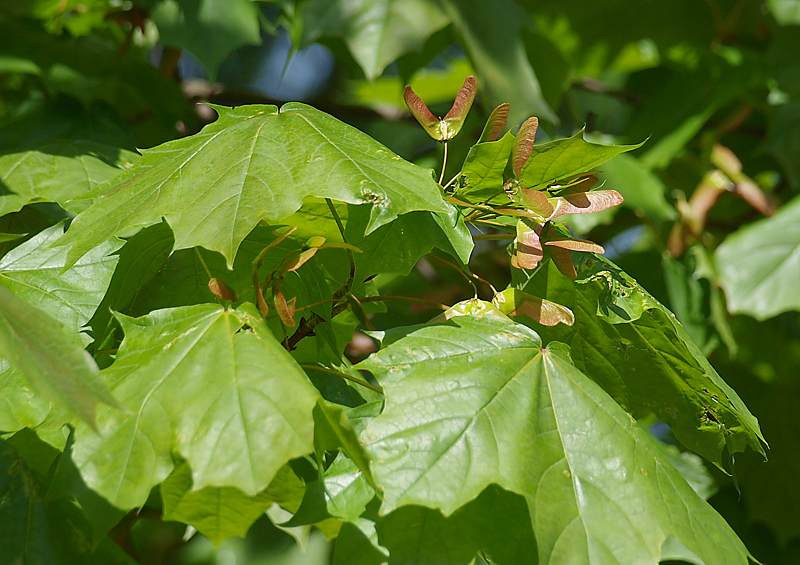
178, 374
482, 401
213, 200
562, 159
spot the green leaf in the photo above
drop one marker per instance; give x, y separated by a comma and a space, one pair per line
377, 32
393, 248
209, 384
334, 430
62, 171
139, 261
396, 247
217, 513
357, 544
342, 492
484, 167
767, 486
496, 523
6, 237
40, 531
759, 265
786, 12
637, 351
564, 158
491, 33
480, 401
51, 358
35, 271
208, 29
20, 407
214, 201
93, 70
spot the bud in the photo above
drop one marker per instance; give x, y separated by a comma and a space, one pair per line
300, 259
219, 289
285, 309
261, 302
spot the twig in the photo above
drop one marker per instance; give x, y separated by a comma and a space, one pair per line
306, 327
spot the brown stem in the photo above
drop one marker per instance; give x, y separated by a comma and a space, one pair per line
307, 326
169, 62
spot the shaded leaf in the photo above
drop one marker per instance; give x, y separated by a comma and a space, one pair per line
37, 272
491, 33
64, 171
218, 513
759, 265
208, 29
415, 534
51, 359
41, 531
638, 352
377, 32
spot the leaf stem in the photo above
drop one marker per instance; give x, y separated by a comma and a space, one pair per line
203, 263
452, 180
341, 375
340, 227
444, 164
